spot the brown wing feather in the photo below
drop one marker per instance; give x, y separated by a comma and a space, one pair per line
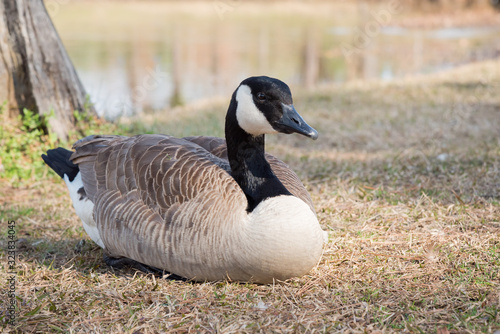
153, 179
217, 146
146, 163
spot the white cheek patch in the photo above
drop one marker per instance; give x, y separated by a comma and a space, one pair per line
249, 117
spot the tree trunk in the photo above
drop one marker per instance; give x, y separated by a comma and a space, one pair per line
35, 70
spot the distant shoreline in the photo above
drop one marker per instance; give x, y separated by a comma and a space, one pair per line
415, 14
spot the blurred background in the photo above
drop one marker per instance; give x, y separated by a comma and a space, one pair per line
138, 57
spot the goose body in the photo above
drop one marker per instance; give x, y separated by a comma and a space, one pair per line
199, 207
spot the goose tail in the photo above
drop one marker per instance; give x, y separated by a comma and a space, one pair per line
59, 160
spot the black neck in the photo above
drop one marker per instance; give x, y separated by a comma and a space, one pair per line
249, 166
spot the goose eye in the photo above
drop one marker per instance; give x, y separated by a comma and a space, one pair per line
261, 96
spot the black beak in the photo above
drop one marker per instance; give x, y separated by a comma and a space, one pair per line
291, 122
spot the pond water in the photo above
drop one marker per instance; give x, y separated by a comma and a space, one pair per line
150, 56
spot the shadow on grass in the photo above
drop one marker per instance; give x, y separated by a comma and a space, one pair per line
82, 255
443, 179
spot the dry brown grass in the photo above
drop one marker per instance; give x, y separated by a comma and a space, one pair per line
405, 177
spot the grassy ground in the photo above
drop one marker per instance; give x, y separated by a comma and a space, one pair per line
405, 177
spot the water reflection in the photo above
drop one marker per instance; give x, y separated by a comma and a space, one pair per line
173, 62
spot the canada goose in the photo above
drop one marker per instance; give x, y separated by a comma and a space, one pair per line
198, 207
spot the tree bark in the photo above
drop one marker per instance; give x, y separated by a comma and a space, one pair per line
35, 70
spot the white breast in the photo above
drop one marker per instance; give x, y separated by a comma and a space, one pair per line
284, 238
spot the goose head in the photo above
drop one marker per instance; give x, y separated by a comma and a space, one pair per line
259, 106
264, 105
